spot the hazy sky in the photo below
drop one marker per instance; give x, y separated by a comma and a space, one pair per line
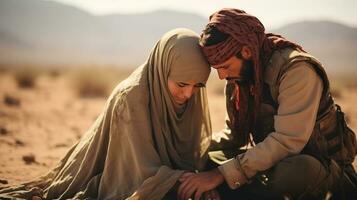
273, 13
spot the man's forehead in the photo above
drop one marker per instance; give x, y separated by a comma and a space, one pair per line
221, 65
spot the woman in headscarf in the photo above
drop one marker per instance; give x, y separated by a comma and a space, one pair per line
155, 126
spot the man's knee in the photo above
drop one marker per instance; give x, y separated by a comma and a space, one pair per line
299, 175
301, 165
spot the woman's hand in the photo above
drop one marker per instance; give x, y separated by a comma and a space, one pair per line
197, 184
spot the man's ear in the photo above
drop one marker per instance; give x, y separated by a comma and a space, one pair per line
246, 52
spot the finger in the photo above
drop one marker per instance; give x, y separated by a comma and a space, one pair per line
185, 187
198, 194
184, 184
189, 190
185, 176
181, 188
205, 196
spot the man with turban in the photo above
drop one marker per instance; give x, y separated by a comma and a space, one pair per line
279, 105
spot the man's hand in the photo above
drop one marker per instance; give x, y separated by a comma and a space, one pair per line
199, 183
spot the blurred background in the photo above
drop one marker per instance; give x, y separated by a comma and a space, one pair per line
60, 59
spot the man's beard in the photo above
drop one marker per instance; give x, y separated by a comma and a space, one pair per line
247, 70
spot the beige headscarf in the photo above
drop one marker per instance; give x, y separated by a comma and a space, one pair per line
139, 146
177, 56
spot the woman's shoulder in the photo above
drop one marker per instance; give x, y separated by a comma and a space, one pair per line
133, 89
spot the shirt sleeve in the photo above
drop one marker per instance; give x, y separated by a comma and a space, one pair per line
300, 91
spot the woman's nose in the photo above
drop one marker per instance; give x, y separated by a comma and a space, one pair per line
188, 92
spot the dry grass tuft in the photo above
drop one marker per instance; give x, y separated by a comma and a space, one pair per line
11, 101
96, 82
25, 77
344, 81
54, 73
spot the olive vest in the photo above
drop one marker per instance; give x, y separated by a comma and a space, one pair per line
331, 137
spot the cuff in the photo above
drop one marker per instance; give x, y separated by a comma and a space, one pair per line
232, 174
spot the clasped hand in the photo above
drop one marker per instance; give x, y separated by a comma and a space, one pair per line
200, 184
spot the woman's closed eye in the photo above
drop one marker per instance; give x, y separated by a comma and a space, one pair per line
182, 84
198, 85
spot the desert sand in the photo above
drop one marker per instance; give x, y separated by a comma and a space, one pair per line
38, 125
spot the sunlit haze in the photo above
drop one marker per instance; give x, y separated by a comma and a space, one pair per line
273, 13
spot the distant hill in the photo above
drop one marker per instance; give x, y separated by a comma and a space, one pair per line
48, 32
333, 43
64, 34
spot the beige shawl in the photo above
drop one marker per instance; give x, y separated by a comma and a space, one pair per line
139, 146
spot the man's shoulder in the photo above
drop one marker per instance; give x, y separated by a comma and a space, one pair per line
287, 55
282, 59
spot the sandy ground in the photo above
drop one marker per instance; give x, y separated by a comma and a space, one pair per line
50, 118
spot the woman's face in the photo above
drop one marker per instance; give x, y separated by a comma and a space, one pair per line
182, 91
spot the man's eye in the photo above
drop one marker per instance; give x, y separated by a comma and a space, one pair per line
181, 85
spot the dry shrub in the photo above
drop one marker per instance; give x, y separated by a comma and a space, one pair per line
96, 82
26, 76
344, 81
54, 73
11, 101
352, 85
338, 85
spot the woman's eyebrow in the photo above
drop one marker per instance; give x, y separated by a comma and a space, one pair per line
183, 83
196, 85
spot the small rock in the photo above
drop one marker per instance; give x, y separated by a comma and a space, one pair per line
3, 181
75, 129
29, 159
3, 131
19, 142
11, 101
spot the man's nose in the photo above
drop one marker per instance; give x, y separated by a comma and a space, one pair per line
222, 73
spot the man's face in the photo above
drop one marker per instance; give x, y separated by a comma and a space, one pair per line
235, 69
